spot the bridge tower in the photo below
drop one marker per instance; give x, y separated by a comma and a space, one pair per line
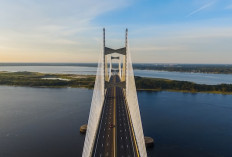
127, 83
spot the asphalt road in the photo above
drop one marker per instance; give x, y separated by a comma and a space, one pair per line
114, 136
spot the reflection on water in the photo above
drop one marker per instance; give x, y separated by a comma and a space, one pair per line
45, 122
201, 78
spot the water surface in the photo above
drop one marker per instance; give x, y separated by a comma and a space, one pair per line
187, 125
45, 122
200, 78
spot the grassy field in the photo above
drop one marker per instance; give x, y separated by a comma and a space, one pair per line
34, 79
155, 84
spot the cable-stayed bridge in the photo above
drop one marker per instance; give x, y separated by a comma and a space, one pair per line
114, 125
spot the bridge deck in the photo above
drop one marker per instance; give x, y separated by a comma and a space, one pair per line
115, 135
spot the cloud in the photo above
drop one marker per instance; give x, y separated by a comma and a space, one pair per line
183, 43
63, 31
202, 8
159, 48
36, 26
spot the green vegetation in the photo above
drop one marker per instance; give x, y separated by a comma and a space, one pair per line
184, 86
34, 79
196, 68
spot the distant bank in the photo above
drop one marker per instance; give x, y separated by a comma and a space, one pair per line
35, 79
193, 68
90, 69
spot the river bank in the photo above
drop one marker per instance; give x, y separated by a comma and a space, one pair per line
196, 77
35, 79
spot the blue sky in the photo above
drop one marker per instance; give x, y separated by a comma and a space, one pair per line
168, 31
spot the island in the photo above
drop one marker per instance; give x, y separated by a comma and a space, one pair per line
35, 79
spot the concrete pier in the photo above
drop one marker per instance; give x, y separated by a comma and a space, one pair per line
149, 142
83, 128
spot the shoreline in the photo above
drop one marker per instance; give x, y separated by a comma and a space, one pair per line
138, 90
168, 67
48, 80
185, 91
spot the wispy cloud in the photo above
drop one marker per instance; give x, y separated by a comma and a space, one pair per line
184, 44
159, 48
70, 31
33, 27
202, 8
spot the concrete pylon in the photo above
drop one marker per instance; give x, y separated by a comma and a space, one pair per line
119, 68
124, 69
110, 67
132, 101
129, 90
96, 107
106, 70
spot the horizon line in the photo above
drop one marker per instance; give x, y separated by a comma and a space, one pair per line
97, 63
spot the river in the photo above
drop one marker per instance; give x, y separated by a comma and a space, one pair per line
200, 78
45, 122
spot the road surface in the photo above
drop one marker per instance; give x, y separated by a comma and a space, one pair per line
115, 134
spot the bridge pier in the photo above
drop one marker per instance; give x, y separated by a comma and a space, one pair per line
149, 142
83, 129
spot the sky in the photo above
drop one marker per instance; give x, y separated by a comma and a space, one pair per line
167, 31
